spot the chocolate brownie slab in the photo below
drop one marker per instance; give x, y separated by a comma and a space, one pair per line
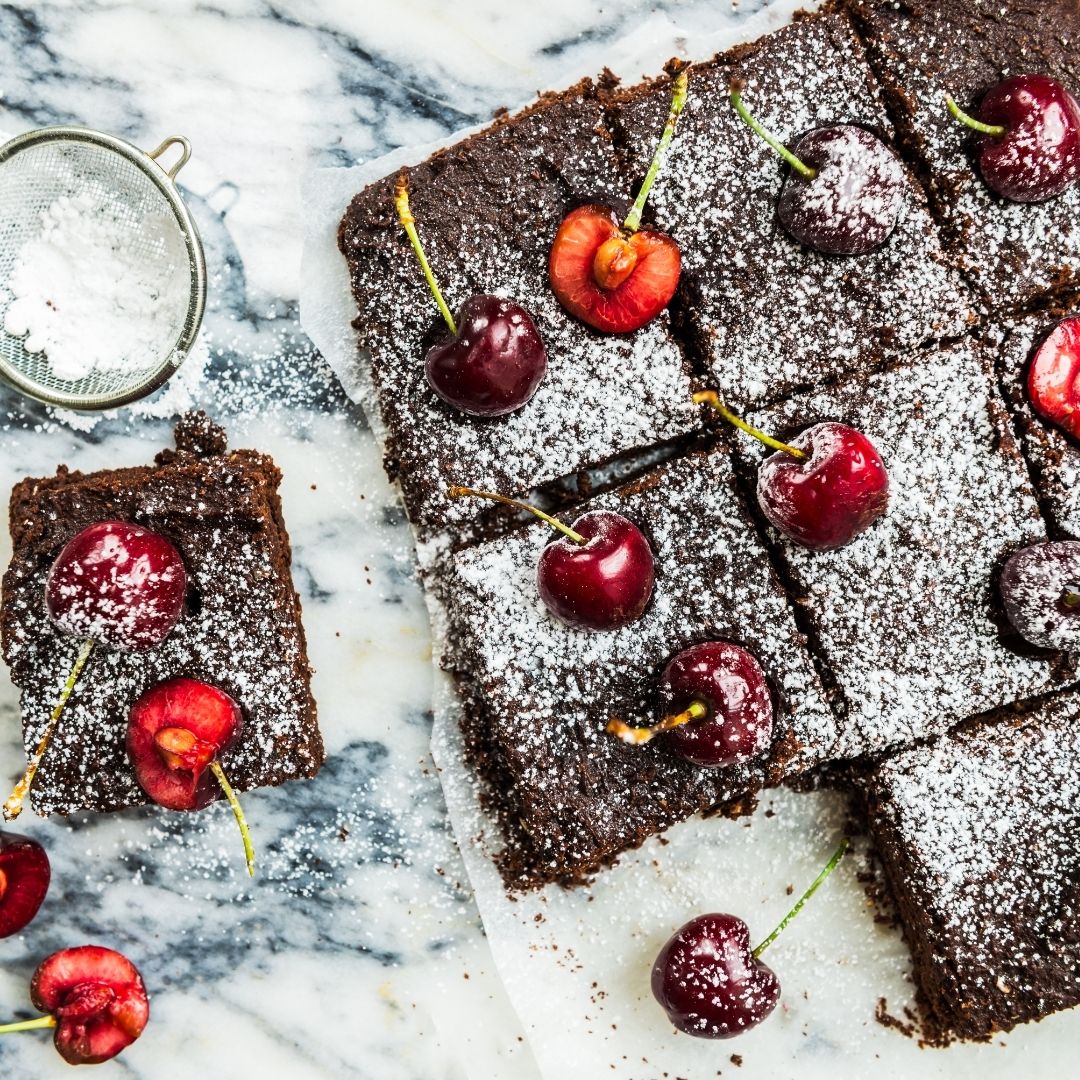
923, 49
903, 618
487, 210
538, 694
241, 631
769, 316
979, 834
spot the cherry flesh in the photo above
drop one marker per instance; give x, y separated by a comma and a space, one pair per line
494, 362
117, 584
825, 499
98, 1000
729, 682
1054, 377
1032, 152
24, 881
1040, 587
710, 983
851, 204
602, 584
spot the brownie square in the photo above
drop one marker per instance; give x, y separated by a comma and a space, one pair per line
922, 50
241, 630
978, 834
538, 695
768, 316
1054, 457
487, 210
905, 619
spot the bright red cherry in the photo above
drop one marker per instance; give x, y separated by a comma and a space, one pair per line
1040, 587
1054, 377
617, 277
176, 733
718, 710
1029, 150
117, 584
95, 1000
494, 358
598, 576
24, 881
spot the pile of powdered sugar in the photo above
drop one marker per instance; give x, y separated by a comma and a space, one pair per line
94, 292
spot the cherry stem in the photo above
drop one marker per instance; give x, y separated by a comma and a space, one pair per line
735, 90
469, 493
238, 813
1071, 599
14, 805
997, 130
712, 399
830, 866
637, 736
408, 223
678, 100
37, 1024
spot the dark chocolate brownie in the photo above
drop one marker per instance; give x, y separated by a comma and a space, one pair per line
241, 631
487, 210
768, 316
538, 695
1054, 457
923, 49
904, 619
979, 835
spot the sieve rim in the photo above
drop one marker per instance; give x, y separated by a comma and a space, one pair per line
165, 182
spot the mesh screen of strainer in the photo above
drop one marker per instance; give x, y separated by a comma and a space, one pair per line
146, 223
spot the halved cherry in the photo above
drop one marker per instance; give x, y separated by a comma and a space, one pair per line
614, 277
24, 881
1054, 377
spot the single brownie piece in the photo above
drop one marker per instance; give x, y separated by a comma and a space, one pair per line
538, 695
922, 50
905, 618
487, 210
241, 630
1054, 457
979, 834
768, 315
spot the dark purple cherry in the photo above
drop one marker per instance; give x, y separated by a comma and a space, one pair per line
1040, 587
494, 358
1029, 145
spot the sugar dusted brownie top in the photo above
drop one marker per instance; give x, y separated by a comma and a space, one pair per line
978, 835
904, 618
487, 210
923, 49
241, 630
538, 695
770, 316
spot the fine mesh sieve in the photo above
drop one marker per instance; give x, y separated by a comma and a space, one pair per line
41, 167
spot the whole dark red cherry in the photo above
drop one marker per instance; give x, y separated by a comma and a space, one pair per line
851, 204
836, 491
24, 881
1029, 146
1040, 587
729, 683
708, 981
117, 584
1054, 377
495, 361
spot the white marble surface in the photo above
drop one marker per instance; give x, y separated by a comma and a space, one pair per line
358, 951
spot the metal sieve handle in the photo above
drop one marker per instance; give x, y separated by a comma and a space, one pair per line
185, 157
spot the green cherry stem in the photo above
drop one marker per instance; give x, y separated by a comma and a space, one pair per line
636, 736
678, 100
966, 118
408, 223
14, 805
830, 866
39, 1023
238, 813
712, 399
457, 492
735, 89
